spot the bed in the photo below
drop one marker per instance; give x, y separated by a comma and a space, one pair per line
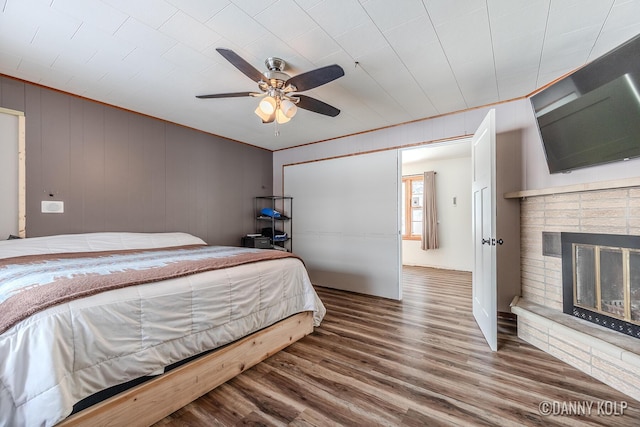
131, 305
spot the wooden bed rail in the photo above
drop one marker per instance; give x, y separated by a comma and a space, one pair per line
153, 400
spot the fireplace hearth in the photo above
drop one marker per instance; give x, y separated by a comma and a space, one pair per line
601, 280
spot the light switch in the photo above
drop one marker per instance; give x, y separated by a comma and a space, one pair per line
49, 206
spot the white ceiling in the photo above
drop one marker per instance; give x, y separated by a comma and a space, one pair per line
439, 151
403, 59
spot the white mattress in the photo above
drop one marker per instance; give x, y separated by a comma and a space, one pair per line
59, 356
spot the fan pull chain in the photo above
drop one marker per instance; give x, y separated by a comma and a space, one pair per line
277, 124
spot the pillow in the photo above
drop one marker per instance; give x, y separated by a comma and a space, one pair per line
94, 242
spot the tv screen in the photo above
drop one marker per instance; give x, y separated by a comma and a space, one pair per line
592, 116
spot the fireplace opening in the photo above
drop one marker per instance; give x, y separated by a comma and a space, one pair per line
601, 279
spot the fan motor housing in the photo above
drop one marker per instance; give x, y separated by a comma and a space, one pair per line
276, 78
275, 64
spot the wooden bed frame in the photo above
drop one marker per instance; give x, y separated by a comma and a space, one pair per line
153, 400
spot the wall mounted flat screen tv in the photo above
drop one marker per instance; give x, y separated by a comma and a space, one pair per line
592, 116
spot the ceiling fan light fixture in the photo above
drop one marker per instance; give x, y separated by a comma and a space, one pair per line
281, 118
265, 117
267, 105
288, 108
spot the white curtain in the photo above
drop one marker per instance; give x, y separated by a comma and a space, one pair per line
430, 215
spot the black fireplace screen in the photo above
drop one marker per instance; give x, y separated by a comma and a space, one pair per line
585, 282
634, 288
601, 279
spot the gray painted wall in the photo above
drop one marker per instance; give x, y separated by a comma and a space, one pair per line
116, 170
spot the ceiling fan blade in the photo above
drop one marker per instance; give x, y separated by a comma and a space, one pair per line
228, 95
317, 106
315, 78
242, 65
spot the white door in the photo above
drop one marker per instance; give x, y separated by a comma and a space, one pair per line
483, 176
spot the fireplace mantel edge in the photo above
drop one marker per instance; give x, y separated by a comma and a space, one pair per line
575, 188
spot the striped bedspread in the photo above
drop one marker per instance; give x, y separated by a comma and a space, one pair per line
29, 284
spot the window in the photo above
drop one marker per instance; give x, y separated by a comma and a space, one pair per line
412, 199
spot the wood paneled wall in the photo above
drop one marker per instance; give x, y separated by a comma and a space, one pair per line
117, 170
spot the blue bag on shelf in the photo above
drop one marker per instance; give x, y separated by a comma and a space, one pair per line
270, 212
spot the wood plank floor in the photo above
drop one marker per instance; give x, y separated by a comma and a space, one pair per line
419, 362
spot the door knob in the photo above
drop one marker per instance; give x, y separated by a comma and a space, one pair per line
492, 242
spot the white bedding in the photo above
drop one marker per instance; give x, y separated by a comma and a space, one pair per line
63, 354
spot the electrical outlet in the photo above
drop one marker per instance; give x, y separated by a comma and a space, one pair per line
49, 206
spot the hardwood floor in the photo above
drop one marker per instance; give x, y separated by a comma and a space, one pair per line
419, 362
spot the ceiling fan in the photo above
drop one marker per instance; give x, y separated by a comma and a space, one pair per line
280, 91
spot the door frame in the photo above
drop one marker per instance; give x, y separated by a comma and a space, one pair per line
22, 215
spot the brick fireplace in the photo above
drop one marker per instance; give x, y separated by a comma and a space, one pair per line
610, 356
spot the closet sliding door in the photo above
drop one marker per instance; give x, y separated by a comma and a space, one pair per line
346, 222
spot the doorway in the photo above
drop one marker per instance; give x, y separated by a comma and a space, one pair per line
452, 163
